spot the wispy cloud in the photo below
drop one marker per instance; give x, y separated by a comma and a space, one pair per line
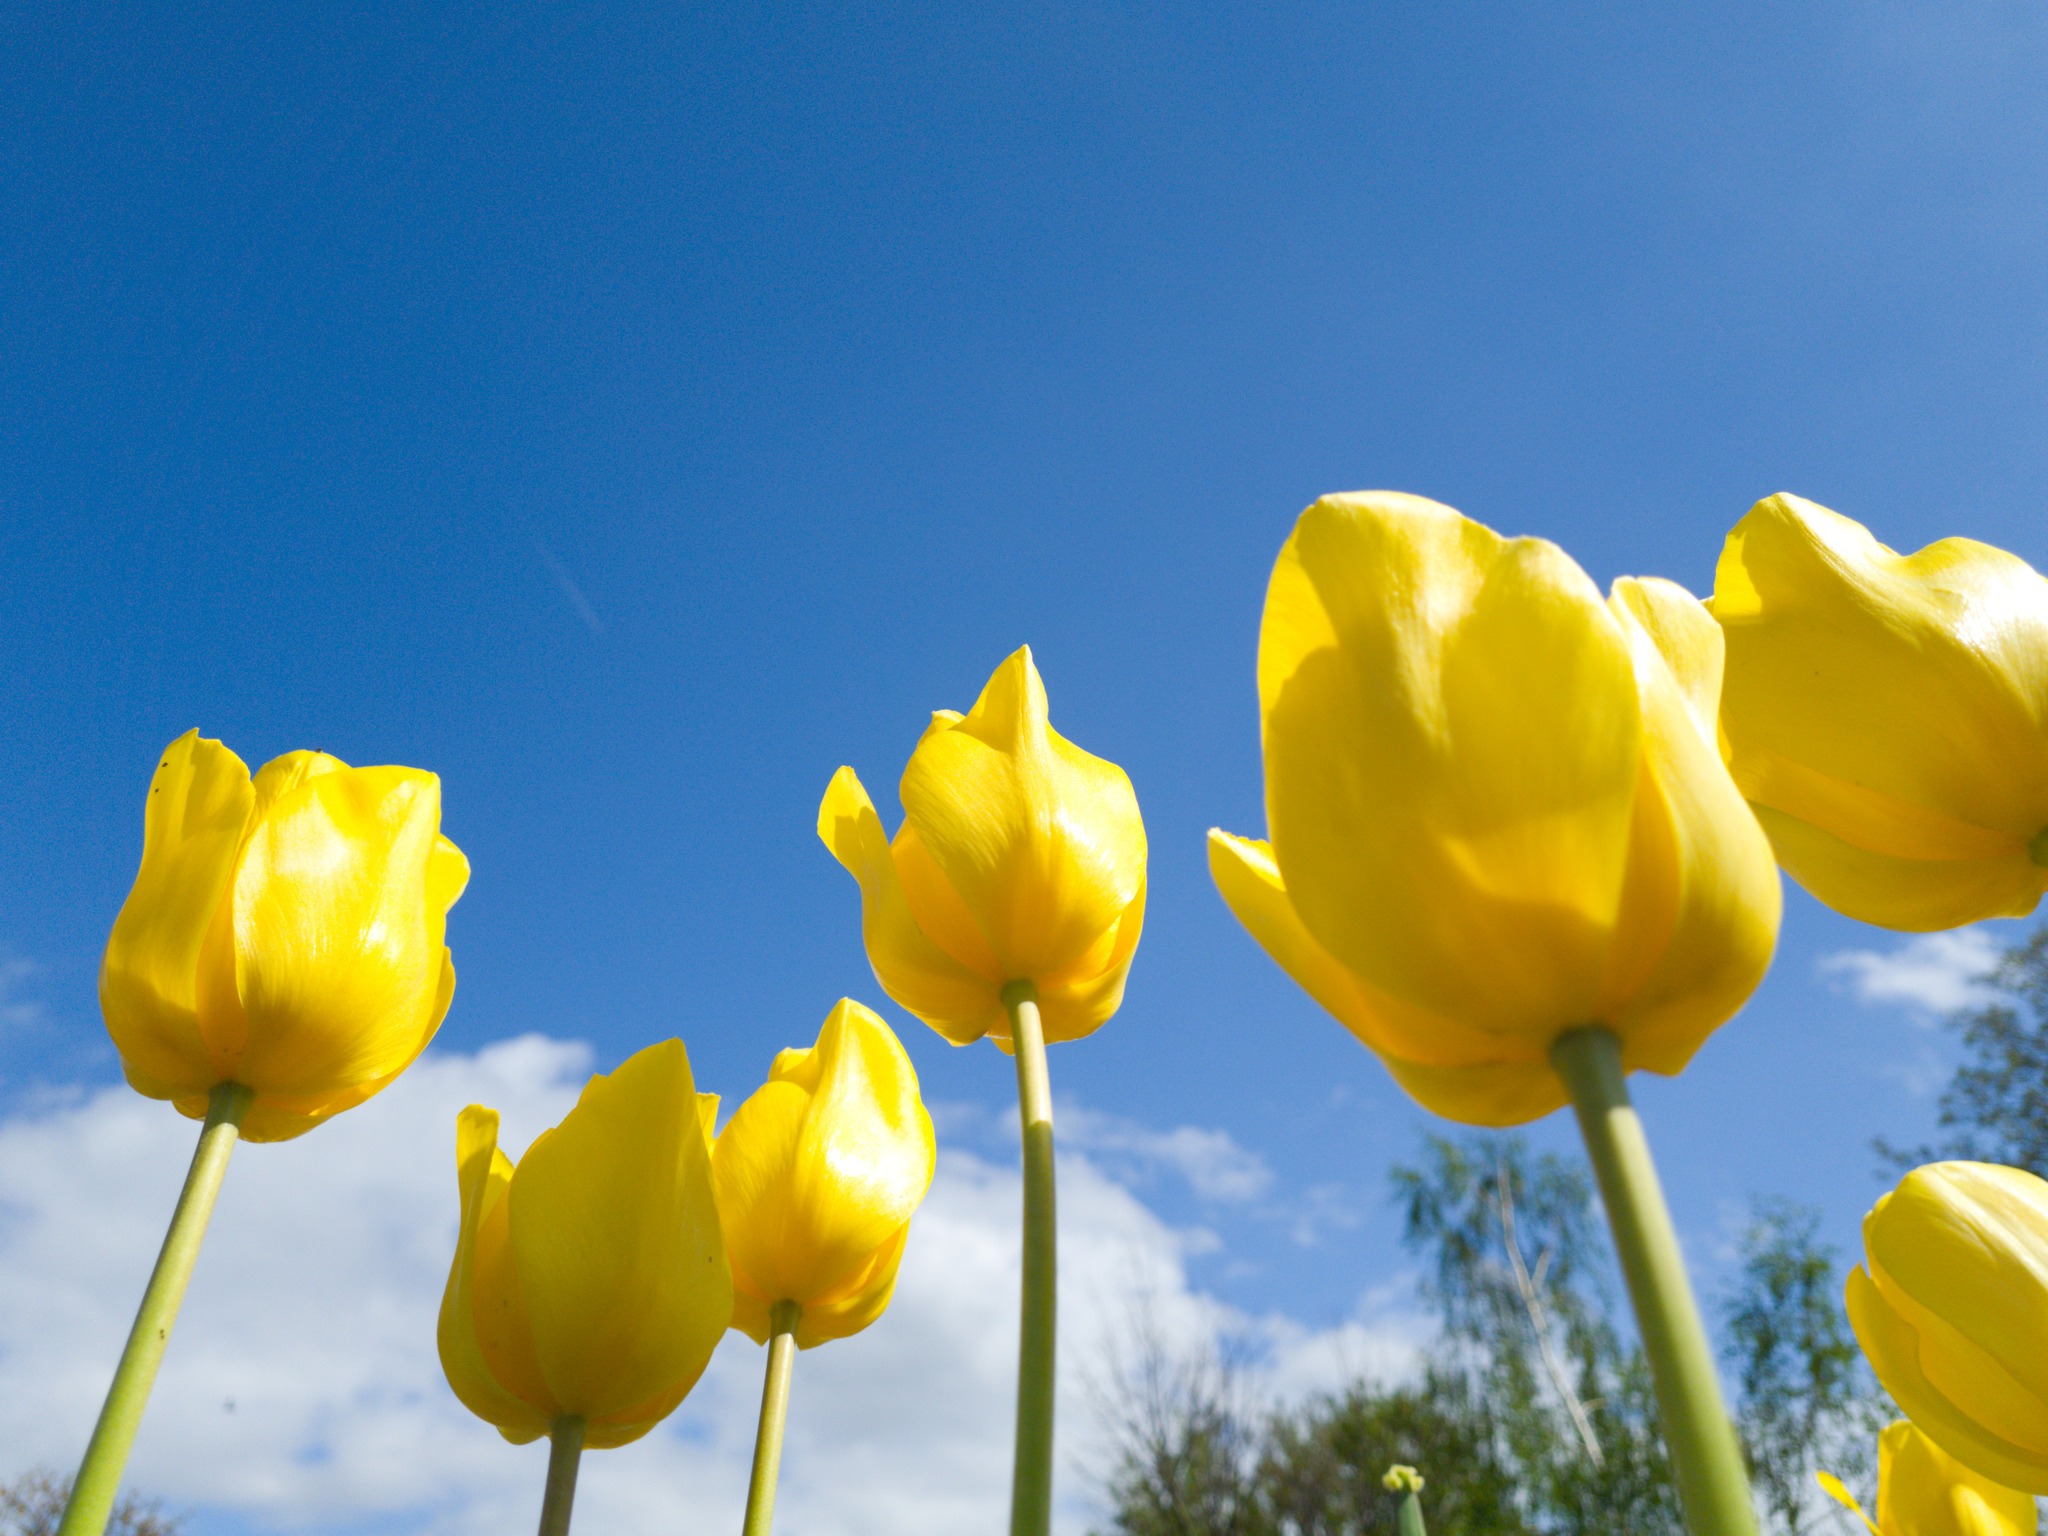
1922, 1075
1213, 1165
567, 585
1931, 974
17, 1010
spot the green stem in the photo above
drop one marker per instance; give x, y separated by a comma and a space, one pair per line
782, 1321
106, 1454
1409, 1520
565, 1455
1705, 1455
1031, 1485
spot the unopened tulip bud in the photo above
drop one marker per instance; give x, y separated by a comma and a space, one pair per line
1951, 1308
817, 1176
590, 1282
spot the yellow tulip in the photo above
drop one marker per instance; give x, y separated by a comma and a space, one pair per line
285, 933
817, 1176
590, 1281
1952, 1310
1923, 1491
1020, 858
1887, 715
1496, 806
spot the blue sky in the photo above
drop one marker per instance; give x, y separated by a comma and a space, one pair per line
634, 413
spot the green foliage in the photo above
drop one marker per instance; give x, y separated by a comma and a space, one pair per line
1188, 1459
1805, 1401
33, 1505
1320, 1471
1996, 1105
1519, 1283
1534, 1414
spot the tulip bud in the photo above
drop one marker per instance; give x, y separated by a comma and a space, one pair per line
1020, 858
1923, 1491
590, 1281
1952, 1310
285, 933
1887, 715
817, 1176
1496, 808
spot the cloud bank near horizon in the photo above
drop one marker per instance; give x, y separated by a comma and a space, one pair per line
302, 1390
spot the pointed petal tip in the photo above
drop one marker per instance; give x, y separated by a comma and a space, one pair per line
842, 813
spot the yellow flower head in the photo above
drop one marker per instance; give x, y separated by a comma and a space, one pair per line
1496, 808
1924, 1491
817, 1176
1020, 859
591, 1280
1887, 715
285, 933
1951, 1308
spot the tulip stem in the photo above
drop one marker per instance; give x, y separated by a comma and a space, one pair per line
1031, 1485
782, 1321
106, 1454
1409, 1521
565, 1455
1706, 1458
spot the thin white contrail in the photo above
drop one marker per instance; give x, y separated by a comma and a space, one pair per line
570, 590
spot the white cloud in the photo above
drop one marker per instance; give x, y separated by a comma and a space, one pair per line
1933, 973
312, 1314
1214, 1166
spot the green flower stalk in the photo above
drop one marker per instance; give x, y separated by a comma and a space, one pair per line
1008, 905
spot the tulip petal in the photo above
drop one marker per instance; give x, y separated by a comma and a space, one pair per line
484, 1174
1082, 999
752, 1168
1041, 840
1685, 635
1893, 1350
615, 1239
281, 1116
1700, 911
1920, 679
1492, 1094
844, 1315
866, 1153
447, 875
1251, 885
1831, 1485
938, 910
1923, 1491
921, 977
330, 972
1452, 748
1906, 894
504, 1327
1974, 1235
823, 1165
198, 809
1466, 1074
1978, 1511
